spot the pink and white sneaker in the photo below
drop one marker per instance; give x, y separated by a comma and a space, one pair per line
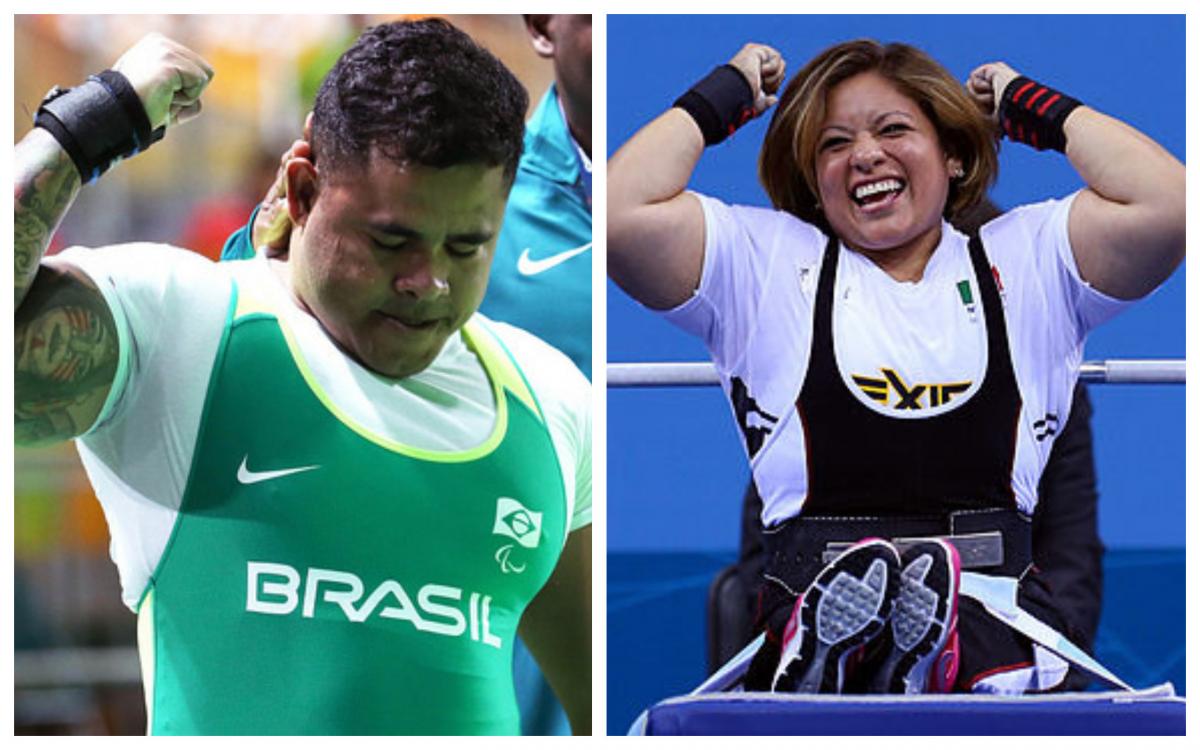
922, 636
845, 606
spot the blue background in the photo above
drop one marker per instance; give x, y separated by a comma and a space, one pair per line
676, 468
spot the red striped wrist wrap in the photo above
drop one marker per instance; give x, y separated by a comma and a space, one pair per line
1034, 114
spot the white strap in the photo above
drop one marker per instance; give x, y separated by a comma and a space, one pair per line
998, 596
733, 670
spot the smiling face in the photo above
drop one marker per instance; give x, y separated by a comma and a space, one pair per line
393, 259
882, 175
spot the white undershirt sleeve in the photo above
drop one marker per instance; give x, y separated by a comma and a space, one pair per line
740, 244
170, 306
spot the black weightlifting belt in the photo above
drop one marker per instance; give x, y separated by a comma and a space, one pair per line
995, 541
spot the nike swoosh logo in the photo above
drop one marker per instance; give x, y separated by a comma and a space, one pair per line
530, 267
245, 476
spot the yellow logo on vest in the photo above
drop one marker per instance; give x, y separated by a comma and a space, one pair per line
892, 390
515, 521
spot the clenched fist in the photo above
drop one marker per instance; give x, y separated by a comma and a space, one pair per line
763, 68
167, 77
986, 85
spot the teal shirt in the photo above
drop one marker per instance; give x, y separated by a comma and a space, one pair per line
542, 273
373, 588
238, 246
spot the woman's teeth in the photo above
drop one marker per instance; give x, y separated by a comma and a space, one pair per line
863, 192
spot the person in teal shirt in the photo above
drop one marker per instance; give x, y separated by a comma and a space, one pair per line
542, 275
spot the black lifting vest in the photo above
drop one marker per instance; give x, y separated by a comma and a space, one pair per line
874, 475
861, 462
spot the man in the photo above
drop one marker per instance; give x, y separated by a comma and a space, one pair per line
544, 248
351, 549
541, 276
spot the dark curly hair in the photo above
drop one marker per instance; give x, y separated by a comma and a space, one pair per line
419, 92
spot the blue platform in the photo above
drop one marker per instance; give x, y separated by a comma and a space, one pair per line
1148, 712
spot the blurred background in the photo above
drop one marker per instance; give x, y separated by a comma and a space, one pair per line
676, 467
76, 668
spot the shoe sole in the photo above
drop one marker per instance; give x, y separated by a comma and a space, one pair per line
846, 606
922, 617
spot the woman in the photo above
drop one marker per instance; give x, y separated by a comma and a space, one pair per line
892, 377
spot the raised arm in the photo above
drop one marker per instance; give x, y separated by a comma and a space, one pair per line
44, 187
66, 348
1127, 227
655, 229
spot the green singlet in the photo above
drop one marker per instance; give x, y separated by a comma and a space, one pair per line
321, 579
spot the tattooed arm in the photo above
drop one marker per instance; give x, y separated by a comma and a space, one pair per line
46, 184
66, 337
66, 356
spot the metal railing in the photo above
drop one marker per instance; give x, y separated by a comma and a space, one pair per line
673, 374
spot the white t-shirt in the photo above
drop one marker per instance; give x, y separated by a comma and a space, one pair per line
170, 307
754, 310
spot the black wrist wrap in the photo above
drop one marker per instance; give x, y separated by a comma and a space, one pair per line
720, 103
97, 123
1034, 114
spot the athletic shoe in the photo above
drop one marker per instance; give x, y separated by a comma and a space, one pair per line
922, 637
845, 606
945, 669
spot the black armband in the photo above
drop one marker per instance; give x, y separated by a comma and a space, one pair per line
97, 123
1034, 114
720, 103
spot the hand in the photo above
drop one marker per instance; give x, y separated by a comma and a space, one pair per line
273, 225
986, 85
167, 77
763, 68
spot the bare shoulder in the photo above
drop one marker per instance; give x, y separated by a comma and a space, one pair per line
66, 352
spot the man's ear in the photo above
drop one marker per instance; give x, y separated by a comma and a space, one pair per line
538, 26
308, 127
302, 183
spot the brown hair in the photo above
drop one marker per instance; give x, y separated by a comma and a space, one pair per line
787, 162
